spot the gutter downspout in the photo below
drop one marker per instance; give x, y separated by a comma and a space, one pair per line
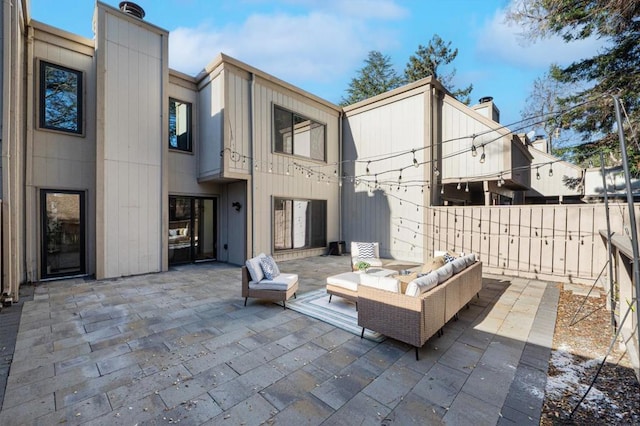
252, 79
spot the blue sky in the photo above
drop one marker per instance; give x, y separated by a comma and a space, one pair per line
318, 45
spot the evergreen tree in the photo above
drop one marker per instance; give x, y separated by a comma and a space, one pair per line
428, 60
375, 77
613, 70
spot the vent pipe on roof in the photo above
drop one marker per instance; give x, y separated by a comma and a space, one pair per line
132, 9
485, 99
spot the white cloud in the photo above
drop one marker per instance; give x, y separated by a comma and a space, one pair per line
320, 45
502, 41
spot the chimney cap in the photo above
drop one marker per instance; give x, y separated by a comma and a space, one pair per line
485, 99
132, 9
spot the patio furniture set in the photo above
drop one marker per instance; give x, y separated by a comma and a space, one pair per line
408, 307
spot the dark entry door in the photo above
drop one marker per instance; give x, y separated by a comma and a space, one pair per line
63, 233
192, 229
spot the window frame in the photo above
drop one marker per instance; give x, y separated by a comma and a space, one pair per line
79, 115
308, 240
189, 105
294, 114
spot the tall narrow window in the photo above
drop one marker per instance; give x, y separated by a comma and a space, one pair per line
298, 135
299, 224
179, 125
60, 98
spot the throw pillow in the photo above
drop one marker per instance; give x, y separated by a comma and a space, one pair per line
433, 264
366, 250
448, 258
269, 267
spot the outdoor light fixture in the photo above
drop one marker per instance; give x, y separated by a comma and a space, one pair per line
550, 171
236, 205
474, 151
415, 160
538, 172
459, 186
483, 156
466, 188
442, 190
436, 171
368, 163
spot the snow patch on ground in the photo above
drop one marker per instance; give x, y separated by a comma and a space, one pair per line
571, 372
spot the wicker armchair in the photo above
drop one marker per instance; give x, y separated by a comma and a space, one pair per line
372, 255
288, 288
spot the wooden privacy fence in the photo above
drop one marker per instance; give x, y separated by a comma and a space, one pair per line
551, 242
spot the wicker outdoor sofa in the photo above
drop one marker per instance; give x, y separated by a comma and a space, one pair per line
414, 319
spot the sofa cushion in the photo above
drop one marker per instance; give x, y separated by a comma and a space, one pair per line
282, 282
269, 267
444, 272
422, 284
433, 264
255, 267
458, 264
382, 283
470, 259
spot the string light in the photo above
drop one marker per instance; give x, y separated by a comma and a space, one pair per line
436, 171
483, 156
367, 170
459, 186
415, 160
538, 172
550, 171
466, 188
474, 151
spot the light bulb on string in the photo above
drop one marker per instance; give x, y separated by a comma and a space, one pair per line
538, 172
367, 170
415, 160
436, 171
458, 186
483, 156
466, 188
550, 171
442, 190
270, 167
500, 181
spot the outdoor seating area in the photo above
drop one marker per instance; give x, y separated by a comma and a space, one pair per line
414, 306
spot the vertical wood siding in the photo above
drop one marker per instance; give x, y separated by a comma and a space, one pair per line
559, 242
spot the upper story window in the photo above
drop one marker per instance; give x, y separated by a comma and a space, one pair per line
179, 125
60, 98
298, 135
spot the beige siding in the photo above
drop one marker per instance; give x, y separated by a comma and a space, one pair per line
58, 160
268, 169
210, 124
553, 185
459, 123
131, 145
385, 215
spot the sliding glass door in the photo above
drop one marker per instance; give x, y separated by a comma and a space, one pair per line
192, 229
63, 233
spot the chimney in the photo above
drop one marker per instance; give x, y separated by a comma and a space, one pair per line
132, 9
485, 99
487, 108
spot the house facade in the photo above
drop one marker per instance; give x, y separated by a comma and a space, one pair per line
113, 164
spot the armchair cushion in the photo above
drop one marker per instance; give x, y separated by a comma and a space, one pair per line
433, 264
281, 282
254, 267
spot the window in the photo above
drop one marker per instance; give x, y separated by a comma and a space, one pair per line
298, 135
179, 125
299, 224
60, 98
